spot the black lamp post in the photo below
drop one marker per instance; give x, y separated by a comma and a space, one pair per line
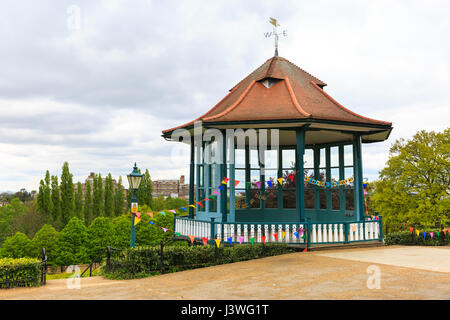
134, 180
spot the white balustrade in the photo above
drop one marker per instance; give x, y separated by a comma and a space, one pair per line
341, 233
266, 232
287, 234
245, 233
273, 232
361, 231
335, 233
258, 235
238, 232
280, 233
313, 234
319, 233
252, 231
232, 232
325, 233
219, 231
294, 230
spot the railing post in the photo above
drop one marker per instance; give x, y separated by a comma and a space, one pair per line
308, 233
364, 230
380, 219
346, 227
108, 258
174, 222
212, 230
162, 257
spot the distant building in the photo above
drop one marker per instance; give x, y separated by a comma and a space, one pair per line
173, 188
90, 178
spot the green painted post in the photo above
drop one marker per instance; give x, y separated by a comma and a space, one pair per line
191, 179
132, 241
328, 178
300, 176
346, 229
380, 221
317, 177
212, 235
357, 162
341, 177
223, 194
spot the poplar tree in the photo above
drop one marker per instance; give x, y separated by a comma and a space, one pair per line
67, 195
145, 190
56, 200
79, 202
109, 196
119, 199
88, 203
98, 197
44, 200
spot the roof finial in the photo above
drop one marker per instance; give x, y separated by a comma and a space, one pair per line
275, 24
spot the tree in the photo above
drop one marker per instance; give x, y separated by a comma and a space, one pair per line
100, 234
87, 203
145, 190
121, 227
119, 199
98, 196
44, 199
72, 243
56, 200
17, 246
79, 202
109, 196
46, 238
414, 187
9, 216
67, 195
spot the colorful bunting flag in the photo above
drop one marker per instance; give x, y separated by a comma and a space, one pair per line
216, 192
431, 235
173, 211
191, 238
263, 239
275, 235
283, 234
163, 213
424, 234
220, 187
151, 222
177, 234
183, 208
230, 241
236, 183
191, 205
165, 229
258, 184
291, 176
411, 229
217, 242
417, 232
200, 204
136, 221
205, 241
150, 214
306, 249
252, 240
269, 183
280, 181
138, 214
296, 234
241, 238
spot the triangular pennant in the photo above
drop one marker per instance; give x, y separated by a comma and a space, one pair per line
263, 239
191, 205
183, 208
291, 176
241, 238
269, 183
247, 185
306, 249
191, 238
138, 214
437, 234
424, 234
283, 234
304, 236
165, 229
417, 232
136, 220
216, 192
177, 234
431, 235
200, 204
151, 223
217, 242
258, 184
150, 214
230, 241
226, 179
296, 234
411, 229
163, 213
220, 187
252, 240
280, 181
275, 235
205, 241
173, 211
236, 183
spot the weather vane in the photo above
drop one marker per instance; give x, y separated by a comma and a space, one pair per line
275, 33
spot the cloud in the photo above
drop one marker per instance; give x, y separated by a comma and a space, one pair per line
99, 95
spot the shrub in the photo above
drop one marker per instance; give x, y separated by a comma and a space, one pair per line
99, 235
406, 238
144, 261
23, 272
46, 238
71, 244
17, 246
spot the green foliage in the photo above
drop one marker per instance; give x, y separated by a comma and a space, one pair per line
23, 272
67, 195
99, 235
109, 196
147, 234
414, 187
79, 202
47, 238
407, 238
17, 246
99, 202
44, 200
119, 199
144, 261
145, 190
121, 229
9, 215
72, 243
88, 204
56, 201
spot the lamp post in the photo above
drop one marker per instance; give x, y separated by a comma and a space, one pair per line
134, 180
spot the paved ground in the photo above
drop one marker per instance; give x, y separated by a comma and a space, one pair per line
405, 273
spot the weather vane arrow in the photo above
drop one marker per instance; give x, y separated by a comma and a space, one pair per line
275, 33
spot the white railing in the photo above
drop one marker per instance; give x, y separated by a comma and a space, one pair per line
292, 233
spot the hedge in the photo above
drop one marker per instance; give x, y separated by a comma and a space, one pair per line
408, 238
146, 261
22, 272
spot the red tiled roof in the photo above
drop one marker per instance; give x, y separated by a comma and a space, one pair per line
297, 95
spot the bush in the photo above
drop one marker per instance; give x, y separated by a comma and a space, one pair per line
17, 246
406, 238
23, 272
144, 261
46, 238
71, 244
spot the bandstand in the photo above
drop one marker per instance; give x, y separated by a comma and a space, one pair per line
290, 156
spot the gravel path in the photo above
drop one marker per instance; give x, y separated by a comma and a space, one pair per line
333, 274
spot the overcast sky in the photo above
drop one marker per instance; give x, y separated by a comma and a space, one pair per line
97, 91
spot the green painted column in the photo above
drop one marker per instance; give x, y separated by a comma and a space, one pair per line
328, 177
300, 176
341, 177
223, 173
191, 178
359, 193
317, 177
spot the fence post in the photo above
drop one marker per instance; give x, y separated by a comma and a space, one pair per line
308, 233
44, 267
108, 258
346, 227
162, 257
212, 230
380, 219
